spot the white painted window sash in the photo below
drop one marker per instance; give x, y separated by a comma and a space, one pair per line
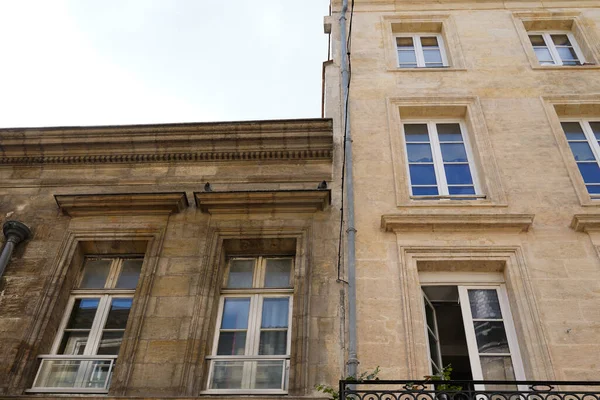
434, 331
591, 140
419, 54
547, 36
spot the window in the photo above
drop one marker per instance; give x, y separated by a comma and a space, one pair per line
583, 137
556, 48
421, 51
471, 328
439, 160
251, 349
85, 349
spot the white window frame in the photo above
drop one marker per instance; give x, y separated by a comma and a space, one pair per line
592, 142
257, 293
438, 163
546, 35
416, 38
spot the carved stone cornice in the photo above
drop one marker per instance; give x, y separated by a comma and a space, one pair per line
246, 202
83, 205
586, 222
277, 140
456, 222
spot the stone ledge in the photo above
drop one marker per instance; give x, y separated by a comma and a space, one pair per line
455, 222
246, 202
585, 222
83, 205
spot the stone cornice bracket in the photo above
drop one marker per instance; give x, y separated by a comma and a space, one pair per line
277, 140
454, 222
247, 202
585, 222
83, 205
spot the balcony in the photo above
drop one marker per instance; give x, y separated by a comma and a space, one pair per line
469, 390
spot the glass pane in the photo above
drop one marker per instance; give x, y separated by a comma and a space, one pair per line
231, 343
590, 172
593, 189
537, 40
278, 272
275, 312
429, 41
416, 133
429, 315
425, 191
235, 313
240, 274
273, 343
404, 42
422, 174
491, 337
454, 152
82, 316
497, 368
432, 56
573, 130
110, 343
269, 375
118, 314
73, 343
543, 55
227, 375
433, 349
581, 151
596, 129
484, 304
561, 40
419, 152
73, 374
407, 56
461, 190
566, 53
449, 132
95, 273
458, 174
130, 273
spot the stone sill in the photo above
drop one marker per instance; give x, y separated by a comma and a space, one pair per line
443, 69
564, 68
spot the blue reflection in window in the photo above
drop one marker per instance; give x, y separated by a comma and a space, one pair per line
458, 174
461, 189
235, 313
419, 152
573, 130
422, 174
590, 172
275, 313
425, 191
593, 189
582, 151
454, 152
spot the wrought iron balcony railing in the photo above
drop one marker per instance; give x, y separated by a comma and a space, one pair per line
469, 390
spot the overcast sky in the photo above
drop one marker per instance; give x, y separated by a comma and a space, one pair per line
102, 62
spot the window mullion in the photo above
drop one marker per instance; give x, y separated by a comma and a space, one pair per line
419, 51
438, 164
591, 138
99, 321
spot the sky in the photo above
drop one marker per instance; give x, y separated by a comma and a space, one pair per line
110, 62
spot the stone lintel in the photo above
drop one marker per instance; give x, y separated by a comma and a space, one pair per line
455, 222
80, 205
585, 222
245, 202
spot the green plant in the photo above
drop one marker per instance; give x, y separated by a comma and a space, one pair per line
443, 375
335, 393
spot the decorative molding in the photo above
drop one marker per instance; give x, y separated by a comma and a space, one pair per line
585, 222
278, 140
435, 222
83, 205
244, 202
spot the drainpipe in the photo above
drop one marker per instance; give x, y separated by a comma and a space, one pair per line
352, 363
15, 233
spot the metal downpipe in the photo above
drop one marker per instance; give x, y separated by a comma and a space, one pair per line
15, 232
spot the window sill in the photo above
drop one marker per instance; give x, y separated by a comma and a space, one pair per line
565, 67
424, 69
450, 202
243, 392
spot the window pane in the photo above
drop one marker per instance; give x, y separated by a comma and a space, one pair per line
240, 274
118, 314
581, 151
110, 343
433, 348
95, 273
484, 304
82, 316
566, 53
543, 55
269, 375
429, 41
416, 133
130, 273
429, 316
404, 42
275, 312
449, 132
454, 152
432, 56
458, 174
537, 40
497, 368
73, 343
407, 57
590, 172
235, 313
419, 152
231, 343
561, 40
273, 343
491, 337
593, 189
422, 174
425, 191
461, 190
596, 129
73, 374
227, 375
573, 130
278, 272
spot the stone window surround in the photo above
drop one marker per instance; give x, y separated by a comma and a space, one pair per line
440, 24
571, 106
568, 21
40, 334
467, 109
509, 261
